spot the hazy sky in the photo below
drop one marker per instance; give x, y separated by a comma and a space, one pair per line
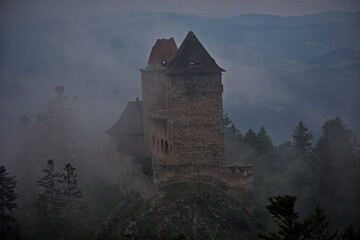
40, 9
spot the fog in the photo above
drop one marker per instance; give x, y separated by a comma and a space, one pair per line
280, 68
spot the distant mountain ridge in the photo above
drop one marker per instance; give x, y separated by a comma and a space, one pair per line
279, 70
316, 18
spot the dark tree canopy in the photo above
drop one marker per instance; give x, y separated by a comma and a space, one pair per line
230, 130
249, 137
263, 142
49, 203
72, 202
319, 225
290, 227
349, 233
302, 137
337, 140
7, 202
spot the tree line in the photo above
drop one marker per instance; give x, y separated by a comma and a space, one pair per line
56, 133
290, 226
59, 206
325, 172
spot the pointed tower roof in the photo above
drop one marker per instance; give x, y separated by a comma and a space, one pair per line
130, 121
162, 52
192, 57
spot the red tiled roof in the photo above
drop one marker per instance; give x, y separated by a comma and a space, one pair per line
163, 50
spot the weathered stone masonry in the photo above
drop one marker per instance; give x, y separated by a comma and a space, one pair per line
182, 118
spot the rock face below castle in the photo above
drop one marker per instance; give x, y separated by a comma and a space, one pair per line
182, 115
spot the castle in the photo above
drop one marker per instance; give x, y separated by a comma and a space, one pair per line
176, 131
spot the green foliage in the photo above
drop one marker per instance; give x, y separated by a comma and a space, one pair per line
148, 232
230, 131
233, 141
49, 204
302, 137
349, 233
72, 200
319, 225
7, 204
180, 236
336, 154
314, 174
250, 137
337, 141
290, 227
58, 208
263, 142
313, 227
123, 212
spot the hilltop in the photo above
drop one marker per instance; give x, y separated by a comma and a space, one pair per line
191, 210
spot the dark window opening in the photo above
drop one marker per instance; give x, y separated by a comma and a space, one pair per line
166, 147
214, 154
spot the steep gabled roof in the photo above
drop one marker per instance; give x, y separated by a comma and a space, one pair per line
130, 121
192, 57
163, 50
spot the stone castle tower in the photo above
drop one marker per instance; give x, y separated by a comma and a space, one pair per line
182, 119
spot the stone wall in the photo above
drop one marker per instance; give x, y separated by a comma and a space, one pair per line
156, 107
197, 116
183, 117
237, 181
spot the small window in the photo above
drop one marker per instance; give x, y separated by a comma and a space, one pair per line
166, 147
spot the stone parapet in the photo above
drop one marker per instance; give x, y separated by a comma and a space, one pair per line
237, 181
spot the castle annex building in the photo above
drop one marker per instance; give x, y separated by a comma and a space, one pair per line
177, 128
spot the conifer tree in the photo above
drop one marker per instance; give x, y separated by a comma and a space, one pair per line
336, 154
7, 203
302, 137
349, 233
319, 226
49, 204
72, 202
249, 137
54, 134
263, 142
230, 130
290, 227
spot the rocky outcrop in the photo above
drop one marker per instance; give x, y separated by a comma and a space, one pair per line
180, 211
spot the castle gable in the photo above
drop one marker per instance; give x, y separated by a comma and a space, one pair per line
192, 57
162, 52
